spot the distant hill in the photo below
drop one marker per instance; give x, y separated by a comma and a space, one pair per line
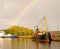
18, 30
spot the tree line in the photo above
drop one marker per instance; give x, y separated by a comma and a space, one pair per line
18, 30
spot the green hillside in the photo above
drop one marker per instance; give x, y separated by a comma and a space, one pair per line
18, 30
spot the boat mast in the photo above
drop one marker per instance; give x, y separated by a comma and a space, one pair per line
45, 24
45, 27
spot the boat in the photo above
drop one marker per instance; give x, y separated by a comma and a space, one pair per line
3, 35
42, 36
9, 36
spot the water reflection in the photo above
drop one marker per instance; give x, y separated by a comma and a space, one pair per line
5, 43
17, 43
36, 45
21, 44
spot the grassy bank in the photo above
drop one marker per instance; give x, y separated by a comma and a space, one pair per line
29, 37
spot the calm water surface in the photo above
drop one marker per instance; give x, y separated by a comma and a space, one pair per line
17, 43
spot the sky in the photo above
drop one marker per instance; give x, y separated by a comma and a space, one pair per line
28, 13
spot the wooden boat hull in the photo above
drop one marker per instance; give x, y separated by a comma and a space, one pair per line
43, 40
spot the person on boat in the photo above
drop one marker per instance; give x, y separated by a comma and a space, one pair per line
36, 32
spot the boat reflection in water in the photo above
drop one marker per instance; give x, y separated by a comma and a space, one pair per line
17, 43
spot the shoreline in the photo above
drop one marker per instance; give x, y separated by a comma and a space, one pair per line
28, 37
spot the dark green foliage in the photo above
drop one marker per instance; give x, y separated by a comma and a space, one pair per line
18, 30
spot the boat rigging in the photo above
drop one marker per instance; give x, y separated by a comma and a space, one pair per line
42, 35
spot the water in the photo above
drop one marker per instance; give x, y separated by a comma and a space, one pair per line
17, 43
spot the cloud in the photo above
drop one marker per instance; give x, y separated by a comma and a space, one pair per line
10, 9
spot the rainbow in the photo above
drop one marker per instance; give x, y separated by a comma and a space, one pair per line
22, 12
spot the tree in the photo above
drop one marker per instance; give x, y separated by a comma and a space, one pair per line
18, 30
